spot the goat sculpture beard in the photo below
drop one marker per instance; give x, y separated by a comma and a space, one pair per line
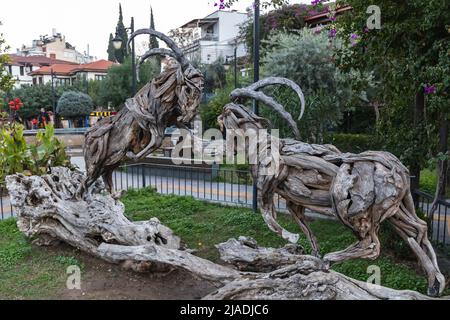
138, 129
361, 190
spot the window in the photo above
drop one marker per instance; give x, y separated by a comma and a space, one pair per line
99, 77
34, 81
41, 81
10, 69
22, 71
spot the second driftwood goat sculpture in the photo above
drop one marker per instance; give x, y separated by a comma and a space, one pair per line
138, 129
361, 190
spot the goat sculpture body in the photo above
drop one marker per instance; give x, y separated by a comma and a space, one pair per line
361, 190
138, 129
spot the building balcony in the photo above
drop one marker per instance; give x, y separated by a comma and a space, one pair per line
210, 37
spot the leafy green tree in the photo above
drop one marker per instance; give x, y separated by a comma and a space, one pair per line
6, 80
73, 104
36, 97
306, 58
215, 75
211, 110
115, 89
410, 57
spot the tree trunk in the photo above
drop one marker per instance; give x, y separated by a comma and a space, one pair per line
443, 148
419, 113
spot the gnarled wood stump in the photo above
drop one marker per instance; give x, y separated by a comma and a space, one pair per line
48, 213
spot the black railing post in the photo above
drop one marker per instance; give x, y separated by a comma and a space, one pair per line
144, 182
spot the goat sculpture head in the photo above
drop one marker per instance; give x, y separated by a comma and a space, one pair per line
234, 115
188, 80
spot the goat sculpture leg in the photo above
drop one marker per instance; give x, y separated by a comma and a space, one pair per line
415, 232
108, 180
367, 248
298, 213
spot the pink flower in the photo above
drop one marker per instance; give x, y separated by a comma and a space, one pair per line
429, 89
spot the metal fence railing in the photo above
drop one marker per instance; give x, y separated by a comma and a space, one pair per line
439, 222
227, 185
212, 183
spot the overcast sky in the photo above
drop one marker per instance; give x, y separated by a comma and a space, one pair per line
90, 22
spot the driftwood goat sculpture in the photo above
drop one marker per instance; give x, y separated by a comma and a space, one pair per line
138, 129
361, 190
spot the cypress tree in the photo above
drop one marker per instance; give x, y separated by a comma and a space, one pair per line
111, 50
153, 40
122, 53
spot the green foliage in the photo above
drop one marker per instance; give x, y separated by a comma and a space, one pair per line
285, 18
428, 181
73, 104
6, 80
153, 43
68, 261
203, 225
211, 110
36, 97
215, 75
30, 159
353, 143
122, 53
111, 50
116, 88
409, 53
306, 58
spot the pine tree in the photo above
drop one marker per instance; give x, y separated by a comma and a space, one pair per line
111, 51
122, 53
153, 40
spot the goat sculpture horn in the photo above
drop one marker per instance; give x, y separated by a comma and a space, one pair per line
251, 92
270, 81
176, 52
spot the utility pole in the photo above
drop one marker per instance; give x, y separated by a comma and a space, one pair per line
235, 68
256, 45
53, 98
133, 60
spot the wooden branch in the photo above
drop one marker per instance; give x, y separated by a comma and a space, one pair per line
48, 212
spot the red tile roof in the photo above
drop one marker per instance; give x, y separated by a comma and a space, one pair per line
38, 61
67, 70
96, 66
58, 69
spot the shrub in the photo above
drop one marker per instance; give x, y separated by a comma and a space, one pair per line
73, 104
30, 159
307, 59
428, 181
353, 143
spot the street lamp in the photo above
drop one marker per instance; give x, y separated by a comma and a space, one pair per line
118, 43
256, 44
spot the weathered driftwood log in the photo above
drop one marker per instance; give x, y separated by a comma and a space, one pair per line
48, 213
361, 190
138, 129
299, 278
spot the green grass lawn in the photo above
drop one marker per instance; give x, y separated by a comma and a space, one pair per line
203, 225
27, 272
30, 272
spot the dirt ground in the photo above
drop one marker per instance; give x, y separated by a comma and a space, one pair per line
104, 281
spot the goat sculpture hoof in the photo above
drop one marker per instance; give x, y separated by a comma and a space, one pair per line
438, 286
